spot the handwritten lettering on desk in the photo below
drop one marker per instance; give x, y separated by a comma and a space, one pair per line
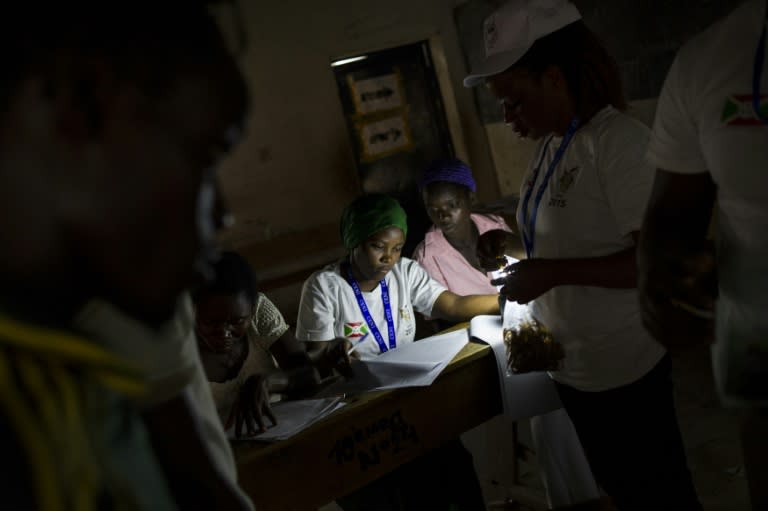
369, 445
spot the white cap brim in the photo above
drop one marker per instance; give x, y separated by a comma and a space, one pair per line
493, 65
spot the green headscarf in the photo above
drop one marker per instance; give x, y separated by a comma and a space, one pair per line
369, 214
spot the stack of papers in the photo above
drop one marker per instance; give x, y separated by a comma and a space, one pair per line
523, 395
415, 364
293, 417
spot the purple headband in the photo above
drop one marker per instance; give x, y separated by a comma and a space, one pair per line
449, 171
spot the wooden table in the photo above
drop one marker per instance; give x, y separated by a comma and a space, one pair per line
374, 434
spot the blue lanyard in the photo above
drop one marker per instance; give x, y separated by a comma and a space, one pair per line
367, 314
529, 224
757, 74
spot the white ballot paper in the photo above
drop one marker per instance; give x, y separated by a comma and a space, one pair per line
415, 364
523, 395
292, 418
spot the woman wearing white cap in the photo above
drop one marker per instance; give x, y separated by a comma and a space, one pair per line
581, 207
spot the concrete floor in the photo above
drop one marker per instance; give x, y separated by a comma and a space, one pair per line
710, 433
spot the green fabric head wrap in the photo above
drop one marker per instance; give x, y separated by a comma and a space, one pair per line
369, 214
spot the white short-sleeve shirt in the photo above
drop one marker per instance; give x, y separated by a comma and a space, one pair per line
705, 122
595, 199
329, 309
170, 360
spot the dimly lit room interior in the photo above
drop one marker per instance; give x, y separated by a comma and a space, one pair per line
370, 149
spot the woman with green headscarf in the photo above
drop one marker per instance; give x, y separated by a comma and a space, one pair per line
370, 297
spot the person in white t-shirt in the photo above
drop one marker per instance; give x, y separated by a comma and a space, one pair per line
373, 229
371, 299
581, 207
178, 404
710, 146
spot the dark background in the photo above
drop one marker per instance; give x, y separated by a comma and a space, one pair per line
642, 35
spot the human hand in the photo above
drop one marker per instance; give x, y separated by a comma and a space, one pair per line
337, 356
491, 248
677, 289
525, 280
252, 406
300, 381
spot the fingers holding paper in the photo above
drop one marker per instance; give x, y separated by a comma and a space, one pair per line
340, 353
334, 354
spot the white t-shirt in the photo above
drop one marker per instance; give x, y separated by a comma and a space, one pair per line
169, 358
329, 309
705, 123
595, 199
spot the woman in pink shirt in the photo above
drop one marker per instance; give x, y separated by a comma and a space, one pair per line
449, 254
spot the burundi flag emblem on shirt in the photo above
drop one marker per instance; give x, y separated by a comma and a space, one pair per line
738, 110
355, 330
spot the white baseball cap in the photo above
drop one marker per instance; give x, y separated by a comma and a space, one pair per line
511, 31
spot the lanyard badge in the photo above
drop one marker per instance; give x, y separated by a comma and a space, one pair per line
367, 313
528, 221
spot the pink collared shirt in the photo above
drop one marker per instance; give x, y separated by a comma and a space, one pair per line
447, 266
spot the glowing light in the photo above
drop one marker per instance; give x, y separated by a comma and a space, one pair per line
342, 62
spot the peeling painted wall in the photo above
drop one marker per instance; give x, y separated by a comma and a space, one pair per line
295, 170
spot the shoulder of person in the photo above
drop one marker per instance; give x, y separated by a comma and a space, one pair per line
262, 300
610, 120
431, 237
407, 267
405, 264
410, 273
265, 306
488, 222
420, 285
612, 126
327, 278
726, 39
742, 24
420, 252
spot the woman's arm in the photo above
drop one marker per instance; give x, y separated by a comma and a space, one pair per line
289, 352
297, 373
531, 278
452, 307
677, 268
618, 270
329, 355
